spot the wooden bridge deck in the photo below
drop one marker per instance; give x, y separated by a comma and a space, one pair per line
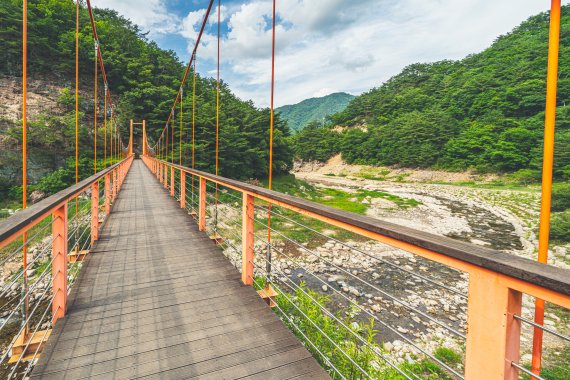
157, 299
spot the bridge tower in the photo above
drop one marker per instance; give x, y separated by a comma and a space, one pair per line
131, 141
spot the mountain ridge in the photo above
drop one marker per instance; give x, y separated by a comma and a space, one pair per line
484, 112
300, 114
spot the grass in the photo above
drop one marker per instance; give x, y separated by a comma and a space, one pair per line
494, 185
448, 356
555, 368
374, 174
342, 347
426, 369
343, 200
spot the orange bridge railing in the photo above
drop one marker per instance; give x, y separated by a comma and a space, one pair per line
497, 281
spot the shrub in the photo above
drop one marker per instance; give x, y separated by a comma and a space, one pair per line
447, 355
305, 318
560, 227
561, 197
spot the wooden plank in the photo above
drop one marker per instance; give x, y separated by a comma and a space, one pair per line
229, 341
156, 298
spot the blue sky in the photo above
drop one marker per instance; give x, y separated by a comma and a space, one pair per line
324, 46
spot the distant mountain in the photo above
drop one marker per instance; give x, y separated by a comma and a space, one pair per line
314, 109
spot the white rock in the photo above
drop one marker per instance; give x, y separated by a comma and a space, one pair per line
337, 261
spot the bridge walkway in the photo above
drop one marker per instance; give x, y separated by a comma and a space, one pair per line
157, 299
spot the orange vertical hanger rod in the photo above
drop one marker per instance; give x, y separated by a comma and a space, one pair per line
271, 122
547, 164
218, 100
25, 147
76, 92
193, 117
180, 140
95, 110
24, 104
105, 129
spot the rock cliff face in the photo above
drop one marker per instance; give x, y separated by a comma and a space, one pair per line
48, 111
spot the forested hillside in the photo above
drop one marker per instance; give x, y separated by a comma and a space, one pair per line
313, 109
484, 112
143, 80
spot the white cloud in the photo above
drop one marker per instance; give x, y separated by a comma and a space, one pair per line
347, 45
352, 46
151, 16
191, 23
324, 92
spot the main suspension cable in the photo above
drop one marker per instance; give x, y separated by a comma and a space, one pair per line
196, 44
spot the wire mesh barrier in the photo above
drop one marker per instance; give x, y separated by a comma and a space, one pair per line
374, 300
42, 249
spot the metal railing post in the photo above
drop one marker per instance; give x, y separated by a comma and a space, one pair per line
172, 181
182, 189
107, 194
202, 207
94, 212
121, 175
114, 184
165, 169
493, 334
247, 238
59, 265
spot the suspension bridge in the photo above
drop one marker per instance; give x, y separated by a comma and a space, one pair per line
153, 269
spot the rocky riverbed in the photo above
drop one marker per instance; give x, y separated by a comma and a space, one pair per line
500, 219
418, 305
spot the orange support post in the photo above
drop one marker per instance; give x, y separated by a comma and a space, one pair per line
182, 189
94, 212
172, 181
59, 264
202, 206
131, 139
107, 194
114, 184
493, 334
165, 169
247, 238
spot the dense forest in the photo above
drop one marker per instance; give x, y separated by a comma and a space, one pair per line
143, 80
313, 109
485, 112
